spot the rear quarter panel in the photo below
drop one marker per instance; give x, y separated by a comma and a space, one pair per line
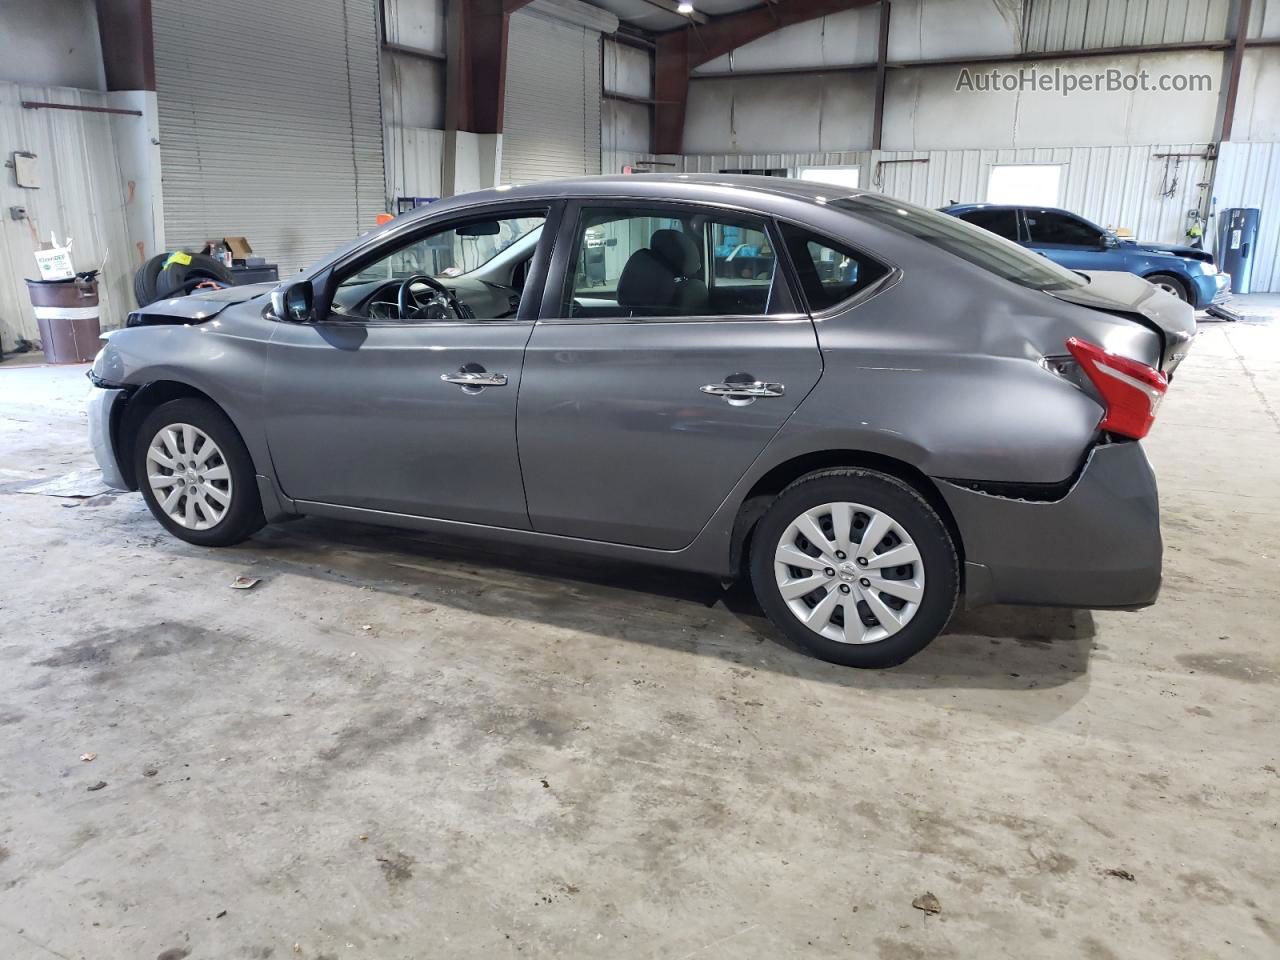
943, 370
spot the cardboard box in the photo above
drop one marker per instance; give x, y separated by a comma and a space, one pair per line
239, 247
55, 263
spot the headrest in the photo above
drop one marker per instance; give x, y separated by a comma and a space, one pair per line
678, 251
646, 281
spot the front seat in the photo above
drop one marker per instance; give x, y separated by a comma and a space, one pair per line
679, 252
646, 285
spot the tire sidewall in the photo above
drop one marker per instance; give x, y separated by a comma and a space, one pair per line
172, 277
906, 507
244, 516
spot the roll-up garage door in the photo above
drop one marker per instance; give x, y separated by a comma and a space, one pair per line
270, 123
551, 112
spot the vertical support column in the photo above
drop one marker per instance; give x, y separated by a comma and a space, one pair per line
670, 90
128, 46
1231, 69
882, 58
475, 89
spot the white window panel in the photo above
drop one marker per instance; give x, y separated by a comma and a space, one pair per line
1025, 184
839, 176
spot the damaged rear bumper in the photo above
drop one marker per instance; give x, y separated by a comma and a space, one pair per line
1098, 546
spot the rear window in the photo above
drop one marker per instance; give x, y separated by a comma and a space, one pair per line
980, 247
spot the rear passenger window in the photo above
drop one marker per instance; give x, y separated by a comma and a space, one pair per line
1002, 222
829, 272
637, 263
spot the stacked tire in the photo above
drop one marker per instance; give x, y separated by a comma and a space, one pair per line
176, 275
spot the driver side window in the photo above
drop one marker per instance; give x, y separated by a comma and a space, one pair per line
472, 270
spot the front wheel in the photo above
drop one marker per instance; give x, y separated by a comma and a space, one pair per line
1170, 284
856, 566
196, 474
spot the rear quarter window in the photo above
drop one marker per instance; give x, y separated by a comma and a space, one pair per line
829, 272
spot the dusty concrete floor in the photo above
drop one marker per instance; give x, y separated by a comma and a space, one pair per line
395, 747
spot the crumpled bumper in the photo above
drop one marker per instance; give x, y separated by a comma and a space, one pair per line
1215, 288
102, 403
1099, 546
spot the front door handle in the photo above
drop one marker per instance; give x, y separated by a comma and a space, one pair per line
741, 393
473, 381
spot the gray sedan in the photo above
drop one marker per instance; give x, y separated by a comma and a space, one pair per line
868, 408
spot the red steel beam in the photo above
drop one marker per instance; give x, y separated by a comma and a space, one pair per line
679, 51
476, 76
882, 60
1238, 43
128, 46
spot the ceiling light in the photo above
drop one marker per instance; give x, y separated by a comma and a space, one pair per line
685, 8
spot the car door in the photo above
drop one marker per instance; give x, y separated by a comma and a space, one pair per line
1069, 240
658, 372
415, 415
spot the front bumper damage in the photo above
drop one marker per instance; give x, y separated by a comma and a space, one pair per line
1211, 289
102, 417
1098, 546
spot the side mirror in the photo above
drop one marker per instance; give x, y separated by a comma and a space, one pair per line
1110, 240
294, 302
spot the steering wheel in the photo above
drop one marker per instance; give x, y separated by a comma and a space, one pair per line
442, 305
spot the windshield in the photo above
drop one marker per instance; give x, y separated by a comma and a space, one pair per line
980, 247
450, 253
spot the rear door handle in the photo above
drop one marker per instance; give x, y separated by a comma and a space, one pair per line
741, 393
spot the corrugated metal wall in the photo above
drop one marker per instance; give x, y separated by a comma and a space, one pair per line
81, 195
552, 107
1122, 187
415, 162
270, 123
1249, 176
1089, 24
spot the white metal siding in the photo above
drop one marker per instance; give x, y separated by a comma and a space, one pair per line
270, 123
1085, 24
82, 195
551, 125
1249, 176
1113, 186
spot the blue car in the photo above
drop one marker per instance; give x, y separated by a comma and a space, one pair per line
1078, 244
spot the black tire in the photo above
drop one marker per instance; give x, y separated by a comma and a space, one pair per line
243, 516
178, 279
1171, 283
144, 281
911, 512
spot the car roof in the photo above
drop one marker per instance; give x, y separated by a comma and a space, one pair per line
740, 189
621, 184
963, 207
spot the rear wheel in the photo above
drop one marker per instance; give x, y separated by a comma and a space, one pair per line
1169, 284
856, 566
196, 475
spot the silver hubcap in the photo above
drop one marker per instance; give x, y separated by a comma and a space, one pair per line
189, 476
849, 572
1170, 288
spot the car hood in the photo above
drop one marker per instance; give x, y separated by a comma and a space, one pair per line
1176, 249
196, 307
1131, 297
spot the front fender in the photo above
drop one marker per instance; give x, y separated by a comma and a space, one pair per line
216, 358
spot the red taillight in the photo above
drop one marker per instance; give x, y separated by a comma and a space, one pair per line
1131, 390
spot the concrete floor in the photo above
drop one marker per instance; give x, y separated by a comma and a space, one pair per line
395, 747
